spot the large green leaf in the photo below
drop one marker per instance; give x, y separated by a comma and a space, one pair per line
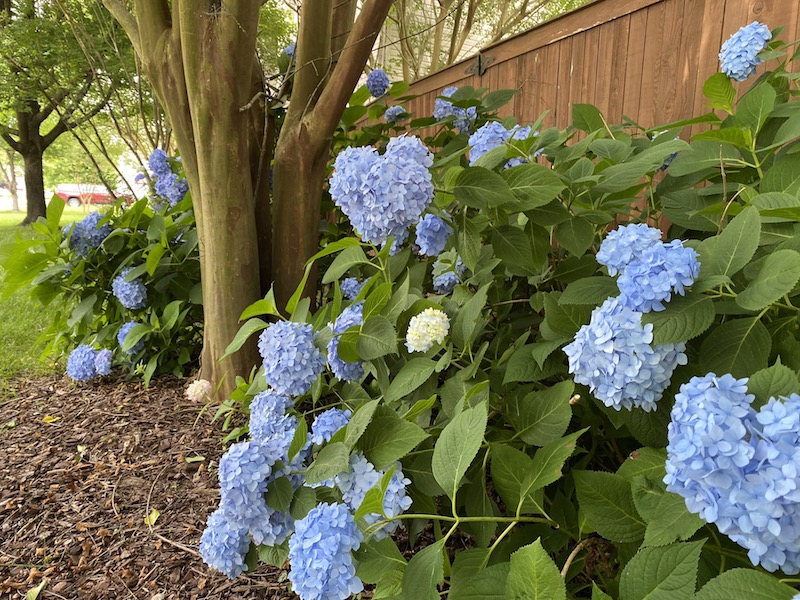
685, 318
720, 92
779, 274
745, 584
378, 557
754, 107
607, 505
513, 246
413, 374
509, 468
533, 185
668, 519
534, 576
777, 380
377, 338
457, 446
542, 417
481, 188
783, 176
576, 235
587, 117
729, 252
739, 347
548, 462
704, 155
348, 258
488, 584
590, 290
389, 438
423, 573
331, 460
662, 573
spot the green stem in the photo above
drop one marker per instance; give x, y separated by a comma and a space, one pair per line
499, 539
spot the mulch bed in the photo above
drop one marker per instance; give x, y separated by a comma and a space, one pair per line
81, 467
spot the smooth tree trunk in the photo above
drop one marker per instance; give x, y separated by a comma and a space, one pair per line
32, 157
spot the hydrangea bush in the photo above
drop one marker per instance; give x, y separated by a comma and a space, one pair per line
581, 382
125, 282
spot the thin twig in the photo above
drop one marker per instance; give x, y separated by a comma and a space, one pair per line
578, 547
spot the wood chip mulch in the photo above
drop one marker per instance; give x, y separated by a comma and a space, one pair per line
81, 467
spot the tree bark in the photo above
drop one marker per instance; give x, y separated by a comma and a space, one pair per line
34, 184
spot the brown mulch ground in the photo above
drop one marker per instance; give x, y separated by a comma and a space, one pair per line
80, 469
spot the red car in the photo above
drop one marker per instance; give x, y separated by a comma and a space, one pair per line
76, 194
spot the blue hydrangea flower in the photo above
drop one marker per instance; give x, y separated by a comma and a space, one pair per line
243, 473
102, 362
739, 55
158, 163
328, 423
224, 547
444, 108
394, 114
613, 355
659, 270
346, 371
131, 294
291, 360
383, 195
625, 244
377, 82
269, 423
80, 364
488, 137
351, 287
320, 554
271, 527
432, 235
87, 234
289, 50
447, 276
123, 333
362, 476
171, 187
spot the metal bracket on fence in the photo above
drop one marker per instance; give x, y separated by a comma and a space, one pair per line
480, 64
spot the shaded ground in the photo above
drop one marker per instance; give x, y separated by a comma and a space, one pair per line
80, 469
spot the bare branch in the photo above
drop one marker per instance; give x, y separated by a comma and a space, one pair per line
6, 135
126, 20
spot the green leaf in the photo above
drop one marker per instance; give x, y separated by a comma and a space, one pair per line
136, 333
739, 347
481, 188
774, 381
783, 176
372, 503
754, 107
598, 594
729, 252
331, 460
514, 248
348, 258
377, 338
534, 576
548, 462
359, 422
376, 300
413, 374
488, 584
274, 555
469, 243
741, 138
779, 274
617, 178
533, 185
590, 290
497, 99
587, 118
685, 318
644, 461
376, 558
265, 306
720, 93
170, 315
703, 155
542, 417
83, 310
777, 207
663, 573
280, 492
389, 438
305, 499
245, 331
55, 208
509, 467
576, 235
300, 438
424, 572
668, 519
564, 320
613, 150
745, 584
457, 445
607, 505
466, 320
420, 406
153, 258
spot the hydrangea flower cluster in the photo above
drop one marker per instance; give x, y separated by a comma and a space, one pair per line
289, 50
613, 355
81, 363
328, 423
432, 235
320, 554
738, 468
447, 277
426, 329
223, 547
87, 234
168, 185
131, 294
198, 390
377, 82
493, 135
394, 114
444, 108
624, 244
346, 371
102, 362
383, 195
123, 333
351, 287
362, 477
291, 360
739, 54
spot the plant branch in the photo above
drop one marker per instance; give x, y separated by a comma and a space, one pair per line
126, 20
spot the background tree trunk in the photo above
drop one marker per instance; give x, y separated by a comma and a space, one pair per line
34, 183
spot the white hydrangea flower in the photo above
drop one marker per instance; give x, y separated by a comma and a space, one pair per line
426, 329
198, 390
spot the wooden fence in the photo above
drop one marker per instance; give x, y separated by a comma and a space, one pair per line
646, 59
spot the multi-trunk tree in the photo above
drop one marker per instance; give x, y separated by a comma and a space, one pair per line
45, 84
200, 57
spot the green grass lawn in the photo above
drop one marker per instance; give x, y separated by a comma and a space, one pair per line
22, 319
